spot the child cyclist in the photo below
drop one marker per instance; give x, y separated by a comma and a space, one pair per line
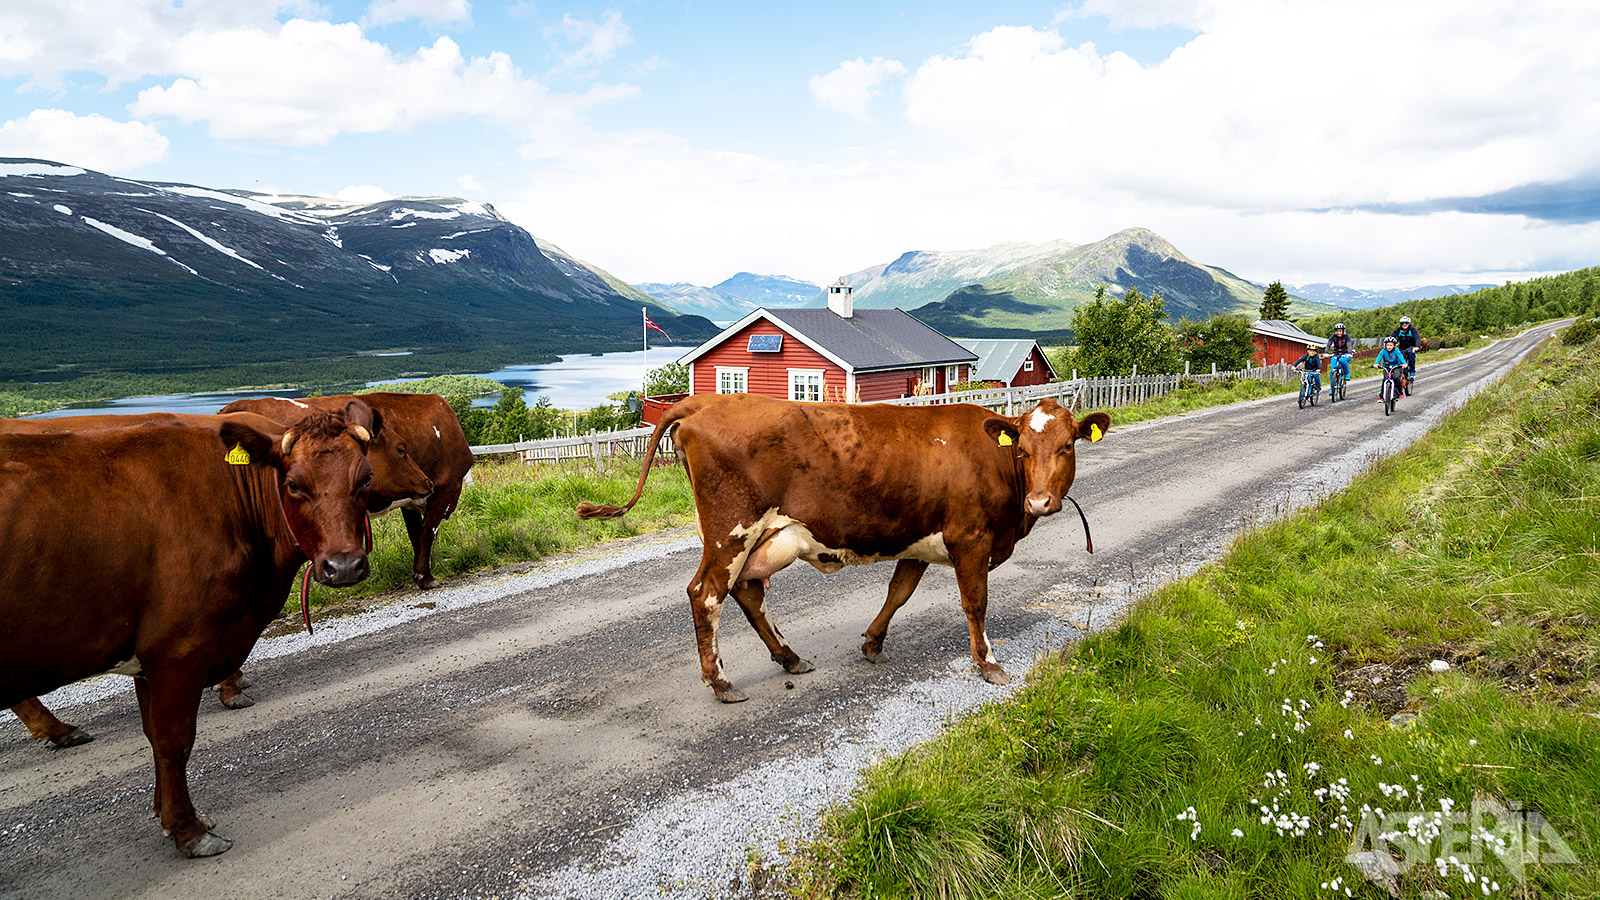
1390, 357
1339, 352
1312, 363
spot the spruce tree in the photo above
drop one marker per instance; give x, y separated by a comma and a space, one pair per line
1275, 302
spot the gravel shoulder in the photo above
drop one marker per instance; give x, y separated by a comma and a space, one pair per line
543, 732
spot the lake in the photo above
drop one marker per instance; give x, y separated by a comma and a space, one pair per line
576, 381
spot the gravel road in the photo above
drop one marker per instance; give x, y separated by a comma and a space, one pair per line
545, 733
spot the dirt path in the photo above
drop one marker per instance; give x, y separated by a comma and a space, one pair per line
500, 743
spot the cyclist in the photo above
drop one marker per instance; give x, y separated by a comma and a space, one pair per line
1339, 352
1407, 338
1312, 363
1390, 357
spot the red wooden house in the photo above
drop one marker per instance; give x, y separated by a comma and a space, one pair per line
837, 354
1011, 363
1277, 341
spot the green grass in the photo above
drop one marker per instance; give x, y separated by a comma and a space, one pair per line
1273, 675
514, 513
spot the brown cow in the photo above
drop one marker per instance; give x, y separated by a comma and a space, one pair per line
421, 428
162, 551
837, 484
393, 473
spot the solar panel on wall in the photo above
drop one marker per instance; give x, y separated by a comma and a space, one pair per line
766, 343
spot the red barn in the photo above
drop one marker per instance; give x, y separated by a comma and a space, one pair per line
1277, 341
1013, 363
837, 354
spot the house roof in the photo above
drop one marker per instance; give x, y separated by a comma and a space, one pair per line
871, 340
1287, 331
999, 360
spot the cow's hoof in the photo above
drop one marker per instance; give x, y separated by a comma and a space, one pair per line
205, 820
78, 736
729, 695
425, 582
996, 676
206, 844
874, 654
798, 667
238, 701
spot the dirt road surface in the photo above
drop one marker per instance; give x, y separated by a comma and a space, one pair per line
546, 734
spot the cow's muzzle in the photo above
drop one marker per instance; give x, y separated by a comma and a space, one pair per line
1042, 503
342, 571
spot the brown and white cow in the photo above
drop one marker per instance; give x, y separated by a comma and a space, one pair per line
162, 551
839, 484
393, 473
420, 429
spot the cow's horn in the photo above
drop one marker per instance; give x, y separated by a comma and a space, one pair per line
362, 434
288, 442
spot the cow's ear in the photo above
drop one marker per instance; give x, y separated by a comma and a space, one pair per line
1094, 426
245, 445
363, 420
1004, 431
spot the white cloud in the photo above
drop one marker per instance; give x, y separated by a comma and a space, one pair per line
851, 87
469, 184
93, 141
308, 82
45, 41
596, 42
430, 12
363, 193
1191, 14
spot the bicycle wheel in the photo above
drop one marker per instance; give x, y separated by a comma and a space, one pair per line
1314, 397
1302, 395
1388, 396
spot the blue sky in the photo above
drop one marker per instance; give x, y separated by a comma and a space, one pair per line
1365, 143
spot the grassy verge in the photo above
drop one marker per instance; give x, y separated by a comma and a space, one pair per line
1411, 664
515, 513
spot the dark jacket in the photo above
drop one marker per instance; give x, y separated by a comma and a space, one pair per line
1407, 338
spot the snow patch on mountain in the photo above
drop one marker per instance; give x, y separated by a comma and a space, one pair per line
34, 168
250, 203
128, 237
447, 256
213, 244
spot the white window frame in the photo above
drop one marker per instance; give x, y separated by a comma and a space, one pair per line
807, 391
1027, 364
737, 377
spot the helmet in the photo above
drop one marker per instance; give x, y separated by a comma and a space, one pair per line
1390, 340
1313, 346
1405, 320
1339, 327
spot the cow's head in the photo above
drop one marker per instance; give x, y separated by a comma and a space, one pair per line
1044, 437
323, 481
395, 475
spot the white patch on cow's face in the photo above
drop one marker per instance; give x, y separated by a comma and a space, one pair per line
939, 441
436, 432
131, 667
1040, 420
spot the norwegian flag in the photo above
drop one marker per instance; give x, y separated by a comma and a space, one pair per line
650, 324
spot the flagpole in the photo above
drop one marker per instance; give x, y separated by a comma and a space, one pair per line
644, 330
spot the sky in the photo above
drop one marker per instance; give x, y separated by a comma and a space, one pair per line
1366, 143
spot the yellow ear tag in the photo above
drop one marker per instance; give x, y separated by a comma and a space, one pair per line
238, 456
1095, 433
1004, 439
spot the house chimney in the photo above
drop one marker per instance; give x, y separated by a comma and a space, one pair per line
839, 299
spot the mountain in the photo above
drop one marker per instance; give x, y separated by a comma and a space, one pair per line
1016, 289
735, 297
99, 272
1357, 298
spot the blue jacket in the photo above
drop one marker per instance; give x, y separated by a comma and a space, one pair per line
1387, 357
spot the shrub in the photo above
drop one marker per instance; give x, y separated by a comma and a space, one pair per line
1580, 332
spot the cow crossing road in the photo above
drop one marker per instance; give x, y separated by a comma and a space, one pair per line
539, 724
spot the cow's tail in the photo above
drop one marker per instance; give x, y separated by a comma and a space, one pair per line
587, 510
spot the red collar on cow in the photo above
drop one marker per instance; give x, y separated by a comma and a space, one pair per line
305, 580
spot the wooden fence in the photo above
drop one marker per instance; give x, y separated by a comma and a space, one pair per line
1076, 394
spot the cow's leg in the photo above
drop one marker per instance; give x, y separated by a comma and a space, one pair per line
972, 578
752, 597
44, 726
231, 691
168, 704
706, 594
907, 574
423, 528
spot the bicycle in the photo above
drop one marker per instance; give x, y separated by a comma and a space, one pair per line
1338, 377
1307, 393
1393, 380
1411, 369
